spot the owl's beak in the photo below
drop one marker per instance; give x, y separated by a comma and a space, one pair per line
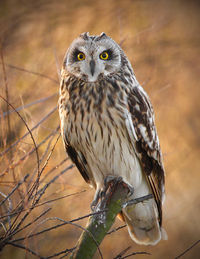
92, 66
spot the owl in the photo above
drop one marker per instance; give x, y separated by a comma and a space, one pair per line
108, 129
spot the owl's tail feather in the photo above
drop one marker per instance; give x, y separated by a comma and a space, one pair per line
142, 222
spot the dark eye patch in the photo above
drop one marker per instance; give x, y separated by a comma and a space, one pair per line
111, 54
74, 55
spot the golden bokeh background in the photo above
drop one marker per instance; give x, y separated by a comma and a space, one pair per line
162, 41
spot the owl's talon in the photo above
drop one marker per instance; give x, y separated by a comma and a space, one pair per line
111, 178
95, 200
131, 189
102, 194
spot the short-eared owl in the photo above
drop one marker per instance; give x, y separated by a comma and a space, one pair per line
108, 128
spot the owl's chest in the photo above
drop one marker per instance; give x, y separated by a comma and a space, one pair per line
93, 121
101, 136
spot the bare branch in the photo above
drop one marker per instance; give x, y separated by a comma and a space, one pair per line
42, 100
25, 248
122, 252
137, 200
116, 229
30, 223
45, 164
66, 252
32, 150
25, 135
14, 189
42, 191
32, 72
41, 204
98, 225
9, 208
58, 66
53, 169
129, 255
57, 226
188, 249
6, 88
37, 155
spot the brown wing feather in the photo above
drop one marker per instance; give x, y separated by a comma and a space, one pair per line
79, 160
147, 144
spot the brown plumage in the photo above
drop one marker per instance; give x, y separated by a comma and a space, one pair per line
107, 124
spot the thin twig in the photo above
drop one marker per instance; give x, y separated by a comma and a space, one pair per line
32, 150
4, 227
56, 199
58, 66
43, 203
57, 226
36, 150
30, 223
188, 249
61, 252
42, 191
44, 166
53, 169
15, 188
32, 72
6, 88
122, 252
10, 156
25, 248
134, 253
35, 203
42, 100
9, 208
25, 135
137, 200
43, 156
20, 206
116, 229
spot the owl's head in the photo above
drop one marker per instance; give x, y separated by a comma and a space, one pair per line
88, 57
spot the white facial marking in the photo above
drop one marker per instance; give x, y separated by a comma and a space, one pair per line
92, 50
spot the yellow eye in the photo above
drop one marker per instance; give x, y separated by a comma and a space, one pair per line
81, 56
104, 55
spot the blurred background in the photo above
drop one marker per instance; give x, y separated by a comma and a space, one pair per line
162, 41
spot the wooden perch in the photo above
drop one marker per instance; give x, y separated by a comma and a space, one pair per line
99, 224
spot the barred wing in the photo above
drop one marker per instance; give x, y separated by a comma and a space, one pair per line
79, 160
146, 142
